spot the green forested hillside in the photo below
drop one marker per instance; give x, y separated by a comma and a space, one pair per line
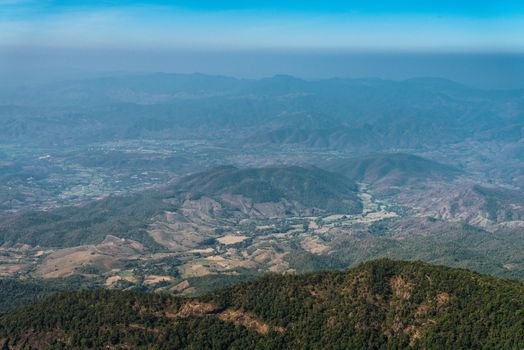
310, 186
382, 304
126, 216
15, 293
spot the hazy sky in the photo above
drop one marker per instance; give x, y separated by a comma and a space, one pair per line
46, 36
458, 25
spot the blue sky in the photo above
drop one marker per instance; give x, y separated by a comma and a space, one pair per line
477, 8
425, 25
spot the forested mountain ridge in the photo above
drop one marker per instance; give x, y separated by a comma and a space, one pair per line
382, 304
310, 187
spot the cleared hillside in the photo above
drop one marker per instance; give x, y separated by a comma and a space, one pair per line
392, 169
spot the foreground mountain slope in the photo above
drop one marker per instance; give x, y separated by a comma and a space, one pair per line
380, 304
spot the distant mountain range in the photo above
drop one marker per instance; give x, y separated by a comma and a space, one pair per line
343, 114
379, 304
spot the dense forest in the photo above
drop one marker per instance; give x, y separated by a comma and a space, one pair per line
16, 293
382, 304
